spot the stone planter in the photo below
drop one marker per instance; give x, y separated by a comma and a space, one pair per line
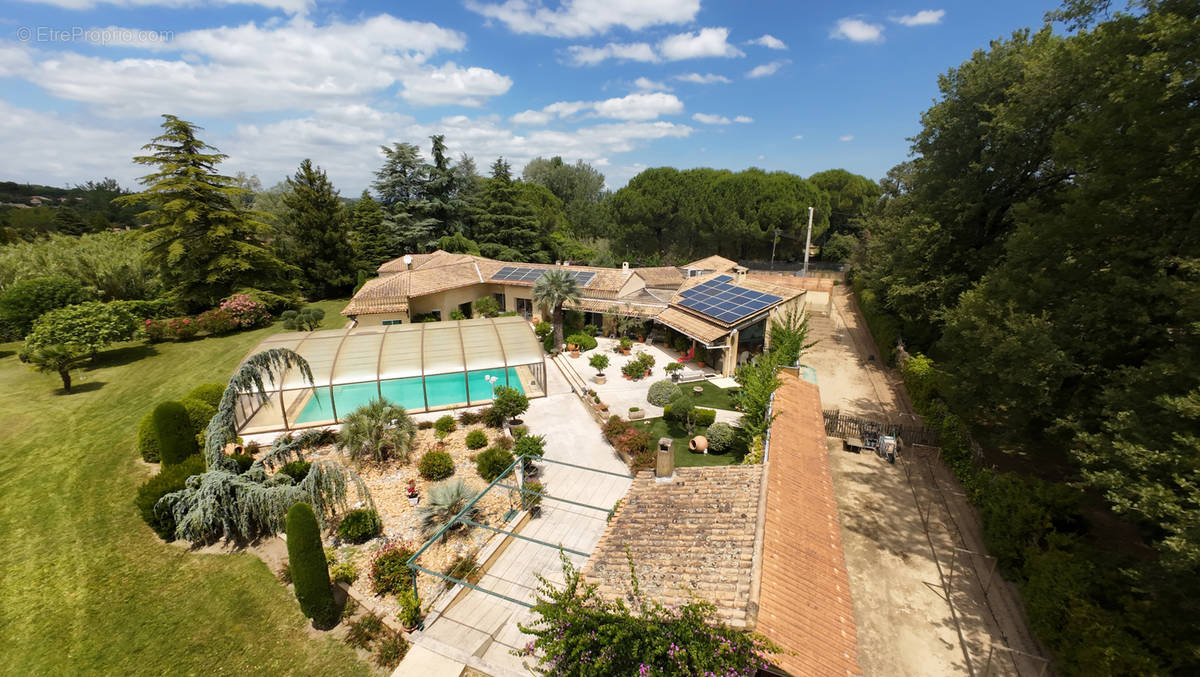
413, 500
634, 415
601, 379
699, 444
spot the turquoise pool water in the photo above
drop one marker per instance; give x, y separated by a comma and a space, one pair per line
442, 389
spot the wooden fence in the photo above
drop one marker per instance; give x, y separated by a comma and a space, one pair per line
838, 424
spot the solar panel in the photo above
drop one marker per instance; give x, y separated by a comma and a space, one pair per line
523, 274
722, 301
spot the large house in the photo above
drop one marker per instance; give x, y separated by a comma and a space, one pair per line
714, 302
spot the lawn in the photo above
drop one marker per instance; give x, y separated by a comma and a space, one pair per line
713, 397
659, 427
87, 587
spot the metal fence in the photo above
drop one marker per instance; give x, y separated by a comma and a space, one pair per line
838, 424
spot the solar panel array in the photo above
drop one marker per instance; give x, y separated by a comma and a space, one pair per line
519, 274
722, 301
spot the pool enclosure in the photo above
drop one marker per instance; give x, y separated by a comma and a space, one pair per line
422, 367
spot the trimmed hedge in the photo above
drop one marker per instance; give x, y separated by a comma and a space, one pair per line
662, 393
169, 479
310, 571
492, 462
476, 439
199, 413
704, 417
435, 465
359, 526
147, 439
210, 393
173, 428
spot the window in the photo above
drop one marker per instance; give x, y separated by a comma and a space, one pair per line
500, 299
525, 308
391, 322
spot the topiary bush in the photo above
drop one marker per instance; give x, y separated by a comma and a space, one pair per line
435, 465
720, 437
310, 572
704, 417
509, 402
199, 413
476, 439
585, 341
359, 526
147, 440
390, 572
491, 463
170, 478
297, 470
173, 428
662, 392
445, 424
207, 392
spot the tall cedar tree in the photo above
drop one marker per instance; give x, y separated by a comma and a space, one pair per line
373, 242
316, 225
504, 226
444, 203
204, 244
401, 186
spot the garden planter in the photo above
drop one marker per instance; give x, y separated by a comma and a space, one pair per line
633, 415
575, 353
675, 376
697, 389
413, 500
572, 347
699, 444
601, 379
647, 372
625, 351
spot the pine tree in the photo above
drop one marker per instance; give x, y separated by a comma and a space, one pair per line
502, 219
204, 244
316, 226
444, 201
401, 185
373, 242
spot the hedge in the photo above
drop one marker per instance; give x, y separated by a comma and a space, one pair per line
176, 439
169, 479
208, 392
199, 413
147, 439
310, 571
662, 393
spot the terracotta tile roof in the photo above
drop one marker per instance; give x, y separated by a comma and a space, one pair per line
622, 306
691, 536
662, 276
804, 596
714, 262
434, 258
390, 293
793, 282
692, 325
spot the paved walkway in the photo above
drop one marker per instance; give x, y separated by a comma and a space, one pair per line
485, 626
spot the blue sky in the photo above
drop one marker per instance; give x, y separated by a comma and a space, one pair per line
623, 84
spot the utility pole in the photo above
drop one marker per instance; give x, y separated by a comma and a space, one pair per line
773, 243
807, 242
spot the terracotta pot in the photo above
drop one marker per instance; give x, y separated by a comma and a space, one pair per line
625, 351
572, 347
699, 444
574, 353
647, 372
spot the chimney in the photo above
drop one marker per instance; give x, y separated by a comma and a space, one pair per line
741, 274
408, 261
625, 267
664, 463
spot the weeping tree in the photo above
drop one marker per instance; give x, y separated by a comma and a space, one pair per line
221, 503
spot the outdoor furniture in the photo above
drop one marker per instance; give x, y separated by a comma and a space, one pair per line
698, 389
852, 444
689, 375
687, 357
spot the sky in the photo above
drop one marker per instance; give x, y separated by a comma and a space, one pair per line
621, 84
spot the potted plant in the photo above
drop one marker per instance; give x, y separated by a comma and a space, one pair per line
647, 361
413, 498
533, 501
672, 370
625, 345
636, 413
599, 362
410, 610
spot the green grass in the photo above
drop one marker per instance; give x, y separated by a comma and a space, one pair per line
713, 397
87, 587
659, 427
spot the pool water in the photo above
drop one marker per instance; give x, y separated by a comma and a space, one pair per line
443, 390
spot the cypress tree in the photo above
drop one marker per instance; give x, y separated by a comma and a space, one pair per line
176, 437
310, 571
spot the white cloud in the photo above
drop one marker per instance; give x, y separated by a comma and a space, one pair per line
582, 55
706, 79
925, 17
579, 18
711, 119
639, 106
769, 41
848, 137
766, 69
56, 149
531, 117
743, 119
15, 61
857, 30
646, 84
707, 42
277, 66
289, 6
798, 137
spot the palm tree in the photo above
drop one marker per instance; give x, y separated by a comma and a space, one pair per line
444, 501
376, 431
552, 290
58, 359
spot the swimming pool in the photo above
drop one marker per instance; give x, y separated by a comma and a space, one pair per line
442, 390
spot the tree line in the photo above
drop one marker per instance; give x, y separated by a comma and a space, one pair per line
1042, 249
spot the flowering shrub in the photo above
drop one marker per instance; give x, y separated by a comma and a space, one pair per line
182, 327
578, 633
217, 321
245, 311
389, 569
156, 330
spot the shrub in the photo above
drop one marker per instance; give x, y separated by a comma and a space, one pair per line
377, 431
487, 306
308, 319
468, 417
444, 500
176, 438
584, 341
646, 360
662, 392
530, 445
457, 314
476, 439
548, 343
252, 448
492, 418
310, 573
88, 327
217, 322
613, 428
672, 367
344, 572
542, 330
359, 526
720, 437
390, 650
680, 409
424, 425
633, 441
390, 572
244, 461
704, 417
270, 301
591, 330
24, 301
532, 500
436, 465
360, 633
156, 330
410, 609
510, 402
599, 362
519, 431
633, 369
461, 568
209, 393
755, 454
147, 439
182, 328
505, 443
350, 607
644, 460
199, 413
170, 478
444, 424
247, 312
297, 470
284, 574
491, 463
